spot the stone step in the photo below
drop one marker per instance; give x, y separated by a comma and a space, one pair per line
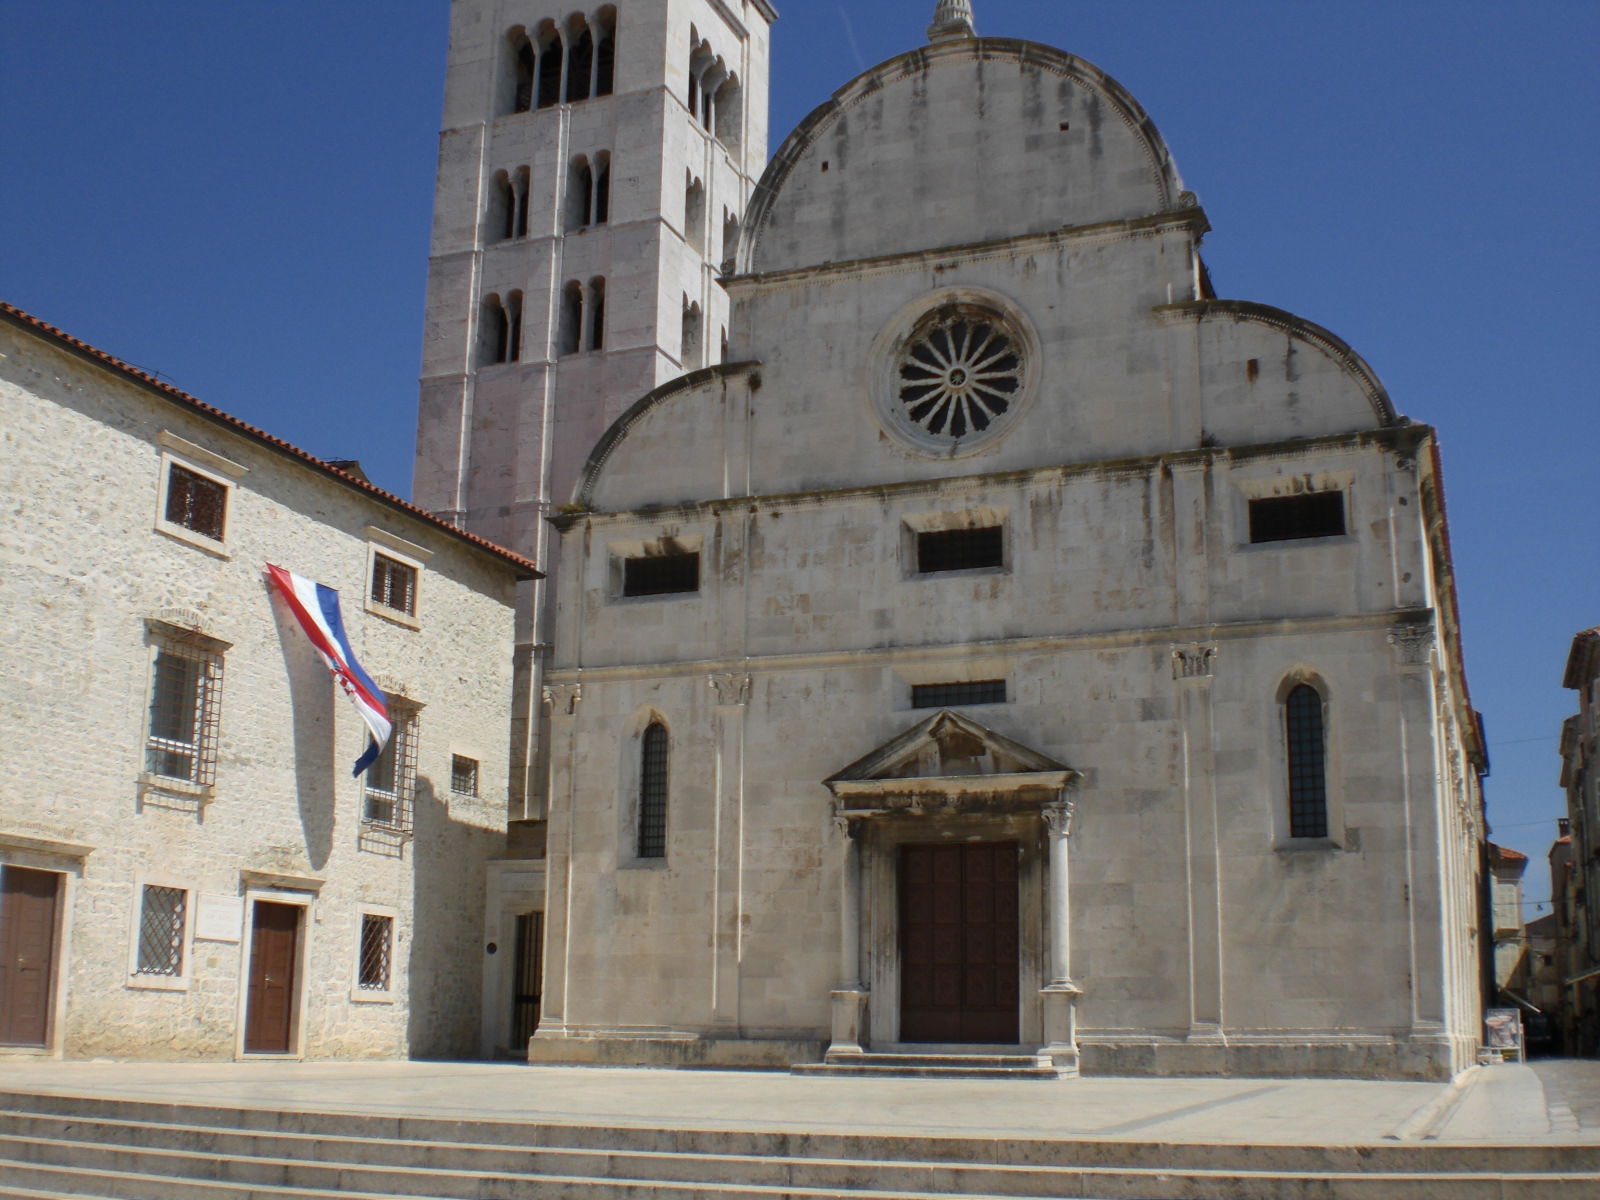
934, 1066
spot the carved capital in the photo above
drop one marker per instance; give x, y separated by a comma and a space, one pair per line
732, 688
1412, 644
1193, 662
563, 698
1058, 818
849, 827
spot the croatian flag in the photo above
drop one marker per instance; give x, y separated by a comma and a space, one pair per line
317, 609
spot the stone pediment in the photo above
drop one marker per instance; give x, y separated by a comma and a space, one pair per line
949, 760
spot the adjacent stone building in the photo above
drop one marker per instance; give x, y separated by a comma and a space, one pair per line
1577, 886
189, 870
1013, 646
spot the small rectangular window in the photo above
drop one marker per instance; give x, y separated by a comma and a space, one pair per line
1290, 518
392, 780
162, 916
394, 584
196, 503
463, 775
185, 691
373, 969
661, 574
955, 695
960, 549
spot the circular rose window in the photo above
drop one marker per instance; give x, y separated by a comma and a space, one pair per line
958, 380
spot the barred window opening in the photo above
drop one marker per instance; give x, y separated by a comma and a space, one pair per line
184, 695
955, 695
653, 793
960, 549
161, 926
392, 779
394, 584
196, 503
377, 939
463, 775
1308, 776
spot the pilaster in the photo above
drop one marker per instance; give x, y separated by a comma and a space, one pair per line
731, 691
1192, 669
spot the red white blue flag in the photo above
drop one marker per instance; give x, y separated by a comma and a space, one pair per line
317, 609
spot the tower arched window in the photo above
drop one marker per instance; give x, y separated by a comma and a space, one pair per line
580, 194
653, 780
605, 54
502, 218
570, 332
580, 66
602, 188
693, 336
1306, 743
730, 236
728, 113
521, 187
597, 313
495, 330
551, 57
513, 334
522, 71
694, 214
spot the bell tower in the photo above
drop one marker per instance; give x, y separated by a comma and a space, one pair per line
593, 169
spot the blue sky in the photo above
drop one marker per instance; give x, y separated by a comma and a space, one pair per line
238, 197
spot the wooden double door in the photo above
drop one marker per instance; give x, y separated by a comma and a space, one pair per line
29, 919
959, 943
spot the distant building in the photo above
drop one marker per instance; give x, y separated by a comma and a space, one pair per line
1580, 777
188, 868
1506, 868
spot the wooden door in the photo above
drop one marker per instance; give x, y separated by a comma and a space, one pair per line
274, 963
959, 943
28, 902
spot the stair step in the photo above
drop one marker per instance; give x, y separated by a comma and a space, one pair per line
934, 1066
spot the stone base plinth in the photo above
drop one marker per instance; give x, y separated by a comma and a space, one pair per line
673, 1051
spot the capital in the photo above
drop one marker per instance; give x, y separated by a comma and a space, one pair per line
563, 698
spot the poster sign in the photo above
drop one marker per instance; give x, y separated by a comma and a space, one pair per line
1503, 1033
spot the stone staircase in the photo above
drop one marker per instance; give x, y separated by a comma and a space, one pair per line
61, 1146
933, 1066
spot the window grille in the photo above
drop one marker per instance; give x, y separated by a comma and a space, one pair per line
394, 584
1308, 777
377, 938
161, 924
1289, 518
948, 695
960, 549
463, 775
653, 793
392, 780
196, 503
185, 696
661, 574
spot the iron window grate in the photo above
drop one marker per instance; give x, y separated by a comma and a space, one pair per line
960, 549
161, 923
1308, 776
463, 775
1290, 518
967, 692
392, 780
185, 692
377, 938
394, 584
653, 794
196, 503
661, 574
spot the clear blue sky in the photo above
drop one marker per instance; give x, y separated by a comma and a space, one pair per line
238, 197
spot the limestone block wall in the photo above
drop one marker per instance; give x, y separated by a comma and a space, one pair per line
95, 581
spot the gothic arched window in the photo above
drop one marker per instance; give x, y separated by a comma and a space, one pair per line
694, 214
571, 332
580, 65
550, 57
652, 839
522, 69
1305, 740
602, 188
605, 54
580, 194
597, 313
692, 336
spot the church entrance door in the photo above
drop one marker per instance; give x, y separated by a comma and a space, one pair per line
959, 943
274, 961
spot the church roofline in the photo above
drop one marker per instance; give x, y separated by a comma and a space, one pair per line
78, 348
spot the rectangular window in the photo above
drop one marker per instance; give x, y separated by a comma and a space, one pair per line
373, 970
960, 549
1290, 518
955, 695
185, 692
394, 584
392, 780
463, 775
163, 915
196, 503
661, 574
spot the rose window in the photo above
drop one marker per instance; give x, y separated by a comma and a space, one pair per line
961, 373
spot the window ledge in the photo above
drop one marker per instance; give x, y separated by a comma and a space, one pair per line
653, 598
644, 864
158, 983
1306, 845
394, 615
360, 995
167, 786
961, 573
1327, 539
388, 829
189, 537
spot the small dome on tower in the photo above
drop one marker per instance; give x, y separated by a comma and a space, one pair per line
951, 20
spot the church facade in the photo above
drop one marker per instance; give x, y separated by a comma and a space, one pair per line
1011, 647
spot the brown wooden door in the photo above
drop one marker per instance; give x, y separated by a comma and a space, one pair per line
958, 943
27, 954
274, 958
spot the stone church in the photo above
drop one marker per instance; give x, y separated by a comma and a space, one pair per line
966, 634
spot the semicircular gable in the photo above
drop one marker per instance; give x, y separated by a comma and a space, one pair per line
955, 143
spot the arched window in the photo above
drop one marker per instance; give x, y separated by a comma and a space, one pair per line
694, 215
652, 841
520, 189
1305, 739
550, 58
513, 335
493, 332
724, 357
691, 336
502, 218
580, 66
730, 237
571, 331
728, 106
605, 54
602, 187
580, 194
522, 64
597, 313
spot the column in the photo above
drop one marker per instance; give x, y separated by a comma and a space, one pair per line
1060, 994
1192, 668
562, 700
732, 691
850, 996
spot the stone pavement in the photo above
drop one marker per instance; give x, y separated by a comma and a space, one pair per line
1551, 1103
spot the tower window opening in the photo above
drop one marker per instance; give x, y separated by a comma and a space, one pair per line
502, 207
494, 332
728, 105
551, 56
730, 237
605, 60
580, 195
513, 329
602, 188
571, 331
694, 215
523, 72
520, 189
693, 337
597, 313
580, 67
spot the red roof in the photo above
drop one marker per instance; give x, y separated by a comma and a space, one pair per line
1507, 854
166, 390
